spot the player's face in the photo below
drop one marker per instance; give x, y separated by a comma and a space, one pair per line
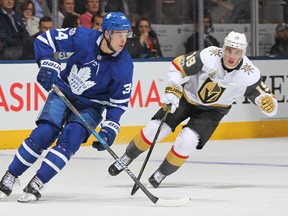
119, 39
232, 57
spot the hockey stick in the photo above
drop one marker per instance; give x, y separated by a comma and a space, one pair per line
135, 187
154, 199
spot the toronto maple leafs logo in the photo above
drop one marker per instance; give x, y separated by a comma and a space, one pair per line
247, 68
79, 79
109, 15
215, 52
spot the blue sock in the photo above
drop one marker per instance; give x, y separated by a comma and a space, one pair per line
54, 161
25, 157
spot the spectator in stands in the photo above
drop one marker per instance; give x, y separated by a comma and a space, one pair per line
92, 8
71, 21
169, 14
28, 16
37, 6
38, 9
221, 11
46, 7
1, 47
280, 47
16, 41
147, 9
128, 7
80, 6
242, 11
96, 22
45, 24
192, 42
65, 7
145, 43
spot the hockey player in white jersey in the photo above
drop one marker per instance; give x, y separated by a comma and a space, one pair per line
217, 76
97, 76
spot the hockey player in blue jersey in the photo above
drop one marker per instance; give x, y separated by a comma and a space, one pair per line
97, 76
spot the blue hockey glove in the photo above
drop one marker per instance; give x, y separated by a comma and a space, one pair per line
108, 133
48, 73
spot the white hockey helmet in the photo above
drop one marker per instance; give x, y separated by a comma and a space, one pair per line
236, 40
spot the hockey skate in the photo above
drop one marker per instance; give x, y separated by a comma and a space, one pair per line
116, 168
6, 184
156, 178
32, 190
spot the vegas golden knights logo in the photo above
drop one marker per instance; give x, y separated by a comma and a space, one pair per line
210, 91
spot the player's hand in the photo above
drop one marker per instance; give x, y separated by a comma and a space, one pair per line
172, 96
48, 73
108, 133
267, 103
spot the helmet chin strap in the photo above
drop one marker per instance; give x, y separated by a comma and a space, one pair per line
109, 44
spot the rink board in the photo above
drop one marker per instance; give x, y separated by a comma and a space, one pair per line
226, 130
21, 100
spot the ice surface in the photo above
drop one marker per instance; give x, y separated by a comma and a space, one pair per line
247, 177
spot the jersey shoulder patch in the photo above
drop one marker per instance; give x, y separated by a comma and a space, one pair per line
248, 72
211, 56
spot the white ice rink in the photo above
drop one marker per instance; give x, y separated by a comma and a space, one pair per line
246, 177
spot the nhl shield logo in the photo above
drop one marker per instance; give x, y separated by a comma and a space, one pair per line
210, 92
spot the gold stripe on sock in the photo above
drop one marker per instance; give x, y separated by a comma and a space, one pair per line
175, 159
141, 142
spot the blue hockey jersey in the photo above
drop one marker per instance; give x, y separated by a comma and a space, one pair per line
91, 75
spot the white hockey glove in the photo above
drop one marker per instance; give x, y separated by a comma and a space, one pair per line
267, 103
172, 96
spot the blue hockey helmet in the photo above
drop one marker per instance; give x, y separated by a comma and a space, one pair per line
116, 21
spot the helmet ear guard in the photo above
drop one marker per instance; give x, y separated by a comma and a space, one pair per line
236, 40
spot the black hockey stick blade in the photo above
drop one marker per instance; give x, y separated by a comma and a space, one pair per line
135, 187
154, 199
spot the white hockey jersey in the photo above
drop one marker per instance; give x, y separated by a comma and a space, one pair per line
210, 84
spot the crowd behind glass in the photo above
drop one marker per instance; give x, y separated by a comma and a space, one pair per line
21, 21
